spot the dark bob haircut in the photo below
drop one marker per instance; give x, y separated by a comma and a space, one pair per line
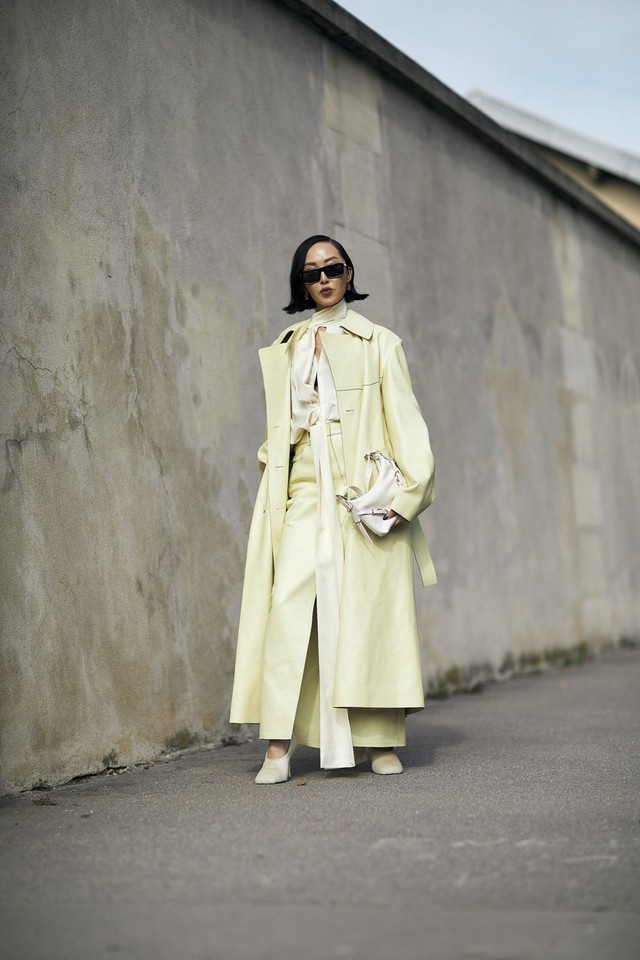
299, 299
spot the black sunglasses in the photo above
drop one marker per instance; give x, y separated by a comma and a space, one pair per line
331, 271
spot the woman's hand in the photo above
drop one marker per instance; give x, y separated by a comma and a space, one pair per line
392, 513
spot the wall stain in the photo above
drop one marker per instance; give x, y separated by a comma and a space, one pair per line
508, 380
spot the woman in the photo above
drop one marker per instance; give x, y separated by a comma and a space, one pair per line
328, 653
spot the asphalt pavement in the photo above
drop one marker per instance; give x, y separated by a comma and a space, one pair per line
513, 834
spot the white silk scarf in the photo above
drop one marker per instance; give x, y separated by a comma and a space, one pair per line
313, 404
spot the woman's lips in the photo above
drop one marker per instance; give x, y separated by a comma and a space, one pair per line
326, 291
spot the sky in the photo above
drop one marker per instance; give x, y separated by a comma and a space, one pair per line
574, 62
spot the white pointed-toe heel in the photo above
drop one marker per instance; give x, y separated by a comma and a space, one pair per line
385, 761
277, 769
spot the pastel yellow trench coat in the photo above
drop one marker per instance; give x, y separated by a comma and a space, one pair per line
378, 662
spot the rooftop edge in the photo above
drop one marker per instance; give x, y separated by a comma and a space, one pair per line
343, 28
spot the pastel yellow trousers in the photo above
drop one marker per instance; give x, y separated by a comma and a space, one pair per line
291, 703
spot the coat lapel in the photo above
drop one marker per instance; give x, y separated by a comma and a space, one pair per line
276, 366
275, 362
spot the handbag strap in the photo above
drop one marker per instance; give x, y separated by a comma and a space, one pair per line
348, 503
358, 492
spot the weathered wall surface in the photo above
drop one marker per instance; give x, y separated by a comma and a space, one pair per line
160, 163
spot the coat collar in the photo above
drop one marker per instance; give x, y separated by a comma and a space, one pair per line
353, 322
356, 323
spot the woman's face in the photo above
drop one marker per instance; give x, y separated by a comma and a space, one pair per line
327, 291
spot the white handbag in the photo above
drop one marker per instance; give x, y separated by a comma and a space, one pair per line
369, 506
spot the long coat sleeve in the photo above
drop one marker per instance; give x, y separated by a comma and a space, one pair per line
409, 436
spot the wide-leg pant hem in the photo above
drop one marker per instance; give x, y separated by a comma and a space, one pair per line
370, 726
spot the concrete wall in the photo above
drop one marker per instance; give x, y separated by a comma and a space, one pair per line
161, 160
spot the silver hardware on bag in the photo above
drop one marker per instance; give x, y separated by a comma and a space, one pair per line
369, 506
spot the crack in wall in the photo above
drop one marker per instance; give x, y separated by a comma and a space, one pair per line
34, 366
72, 411
40, 369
